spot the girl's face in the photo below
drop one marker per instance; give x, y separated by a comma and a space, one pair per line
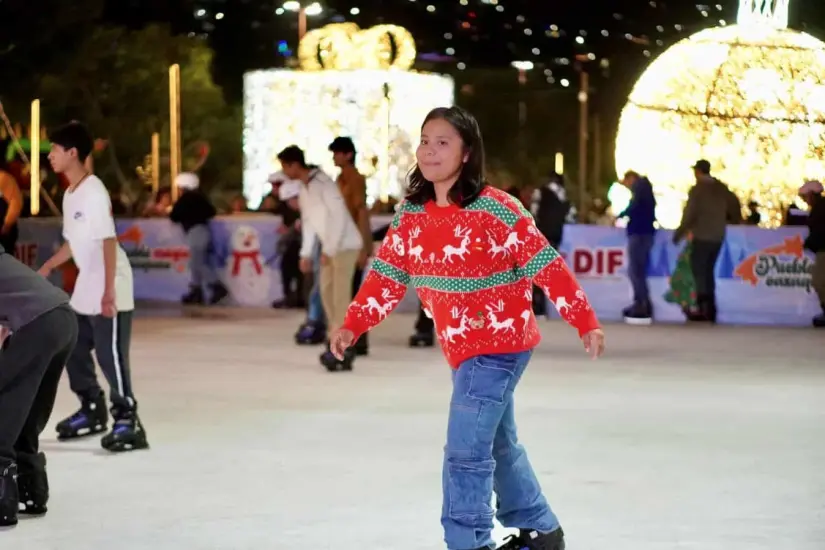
441, 153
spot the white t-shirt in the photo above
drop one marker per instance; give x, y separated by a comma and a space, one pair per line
87, 222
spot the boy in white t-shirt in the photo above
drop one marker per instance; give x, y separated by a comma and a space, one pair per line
102, 299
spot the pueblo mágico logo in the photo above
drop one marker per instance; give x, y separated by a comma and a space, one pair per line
783, 265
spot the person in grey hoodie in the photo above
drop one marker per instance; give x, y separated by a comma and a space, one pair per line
710, 208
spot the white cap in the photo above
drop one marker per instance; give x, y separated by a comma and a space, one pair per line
811, 186
277, 177
188, 181
289, 190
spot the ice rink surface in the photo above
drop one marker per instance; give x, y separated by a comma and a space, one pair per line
680, 438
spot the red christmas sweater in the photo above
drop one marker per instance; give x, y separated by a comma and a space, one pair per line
474, 269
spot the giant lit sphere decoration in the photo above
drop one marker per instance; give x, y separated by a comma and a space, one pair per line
749, 98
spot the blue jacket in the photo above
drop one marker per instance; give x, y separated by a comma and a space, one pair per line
642, 209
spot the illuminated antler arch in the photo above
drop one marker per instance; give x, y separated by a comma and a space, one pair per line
344, 46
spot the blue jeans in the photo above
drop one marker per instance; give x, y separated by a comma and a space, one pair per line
638, 251
483, 455
315, 308
199, 238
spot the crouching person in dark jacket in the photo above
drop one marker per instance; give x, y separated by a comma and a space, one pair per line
193, 212
641, 214
811, 193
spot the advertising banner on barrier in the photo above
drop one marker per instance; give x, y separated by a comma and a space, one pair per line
762, 276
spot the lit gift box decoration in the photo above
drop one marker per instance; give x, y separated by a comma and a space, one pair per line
750, 98
352, 82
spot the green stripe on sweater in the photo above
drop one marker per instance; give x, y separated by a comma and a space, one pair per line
391, 272
492, 206
459, 284
545, 257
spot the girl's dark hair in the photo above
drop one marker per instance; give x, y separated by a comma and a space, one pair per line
471, 180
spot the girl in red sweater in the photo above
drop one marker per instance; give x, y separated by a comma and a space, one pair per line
473, 254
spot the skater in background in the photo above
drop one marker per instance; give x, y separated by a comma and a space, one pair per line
11, 206
641, 232
550, 208
811, 193
289, 246
103, 299
43, 332
193, 211
314, 329
710, 207
480, 299
353, 187
324, 216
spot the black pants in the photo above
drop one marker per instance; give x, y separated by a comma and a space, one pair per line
702, 264
423, 324
357, 279
31, 364
110, 339
9, 240
291, 276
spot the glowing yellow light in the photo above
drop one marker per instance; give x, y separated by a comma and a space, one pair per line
748, 98
344, 46
310, 109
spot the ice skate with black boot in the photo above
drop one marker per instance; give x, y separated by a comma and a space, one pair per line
9, 498
33, 487
91, 419
310, 334
333, 364
422, 340
361, 348
194, 297
127, 432
219, 292
819, 320
533, 540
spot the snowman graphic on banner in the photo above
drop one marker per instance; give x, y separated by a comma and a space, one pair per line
247, 275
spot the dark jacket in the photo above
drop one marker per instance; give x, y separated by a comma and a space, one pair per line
710, 207
550, 208
815, 242
192, 208
642, 209
24, 294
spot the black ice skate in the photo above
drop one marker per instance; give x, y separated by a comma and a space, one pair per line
310, 334
533, 540
422, 340
127, 433
91, 419
9, 499
219, 292
194, 297
361, 346
33, 486
333, 364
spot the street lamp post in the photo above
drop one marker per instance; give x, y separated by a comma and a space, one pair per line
303, 11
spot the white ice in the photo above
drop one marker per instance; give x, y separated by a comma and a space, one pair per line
680, 438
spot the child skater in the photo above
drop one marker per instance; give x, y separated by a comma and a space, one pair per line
474, 253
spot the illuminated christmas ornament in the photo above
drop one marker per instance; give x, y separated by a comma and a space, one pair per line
354, 83
750, 98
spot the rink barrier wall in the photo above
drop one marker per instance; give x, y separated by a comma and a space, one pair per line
763, 276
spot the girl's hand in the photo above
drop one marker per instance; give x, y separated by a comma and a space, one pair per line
340, 340
594, 343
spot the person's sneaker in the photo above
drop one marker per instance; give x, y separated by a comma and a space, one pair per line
194, 297
533, 540
9, 498
91, 419
33, 487
638, 314
127, 433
